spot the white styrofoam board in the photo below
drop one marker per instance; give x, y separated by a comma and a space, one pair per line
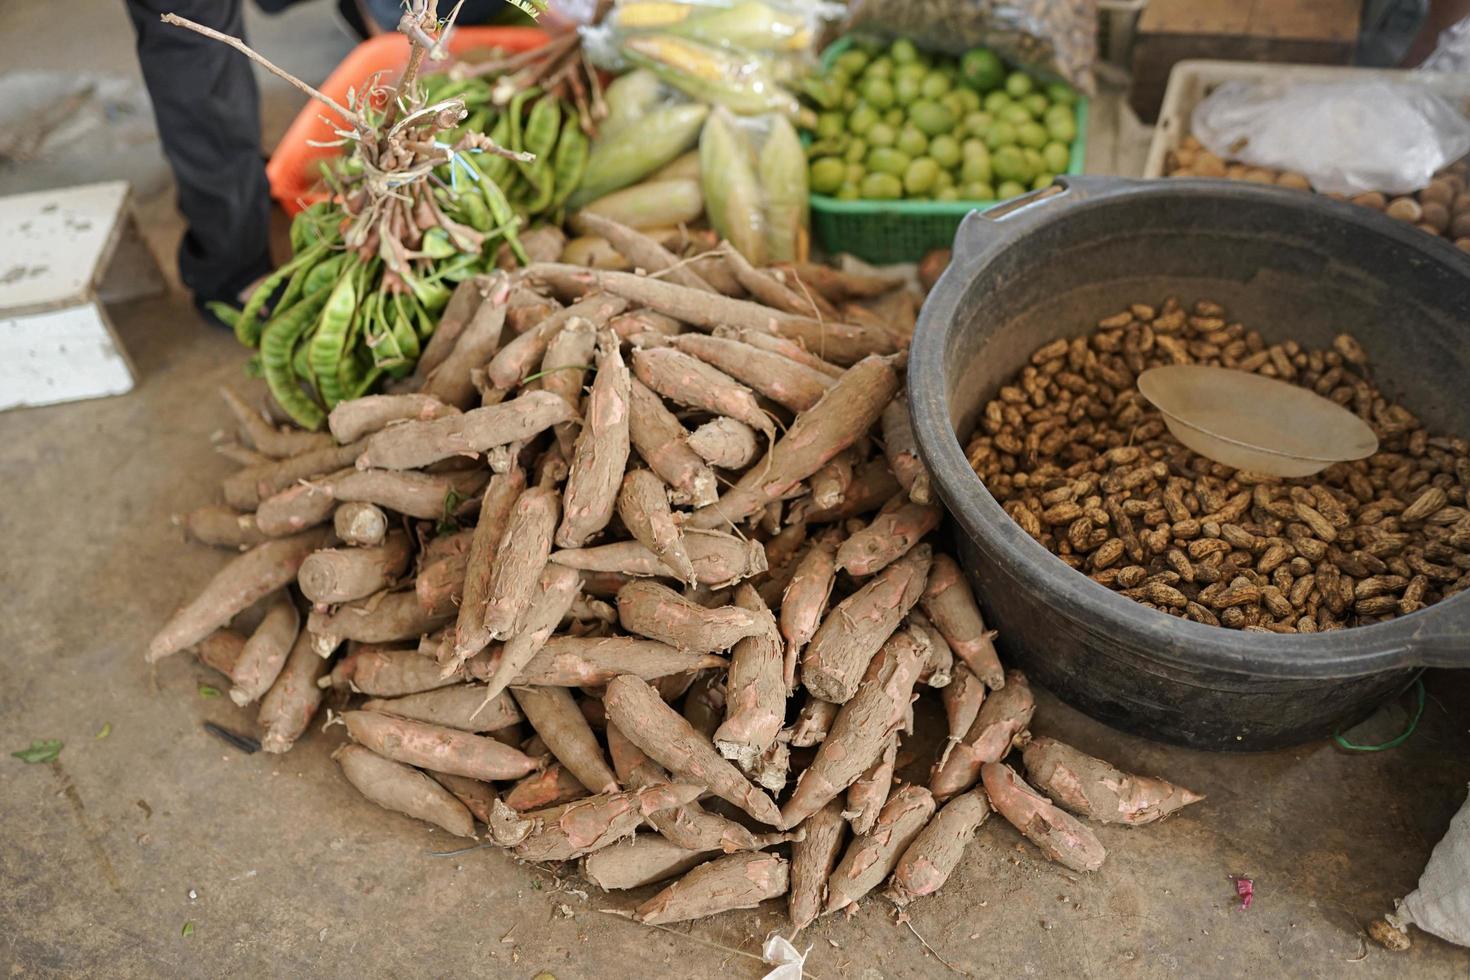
59, 356
55, 244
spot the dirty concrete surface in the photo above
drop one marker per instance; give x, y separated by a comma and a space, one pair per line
158, 850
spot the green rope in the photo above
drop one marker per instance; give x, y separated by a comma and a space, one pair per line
1392, 743
565, 367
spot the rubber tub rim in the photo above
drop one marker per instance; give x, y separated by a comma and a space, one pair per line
1437, 636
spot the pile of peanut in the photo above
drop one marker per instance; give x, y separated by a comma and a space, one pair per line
1441, 208
1084, 463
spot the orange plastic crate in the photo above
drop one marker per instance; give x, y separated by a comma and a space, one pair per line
292, 171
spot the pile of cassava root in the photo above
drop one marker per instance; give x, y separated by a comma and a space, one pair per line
1084, 463
714, 636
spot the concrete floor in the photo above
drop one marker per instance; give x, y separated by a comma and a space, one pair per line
276, 867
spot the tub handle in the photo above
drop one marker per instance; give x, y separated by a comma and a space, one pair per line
982, 230
1449, 649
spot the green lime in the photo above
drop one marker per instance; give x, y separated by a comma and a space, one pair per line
1063, 129
974, 148
887, 160
1033, 160
848, 192
1010, 163
878, 92
1009, 189
996, 101
979, 190
854, 173
903, 51
1032, 134
968, 98
982, 69
1001, 133
912, 142
881, 187
825, 92
947, 194
830, 124
838, 78
913, 71
931, 117
945, 150
1043, 181
905, 90
945, 179
1059, 112
894, 117
1018, 83
849, 100
827, 174
920, 175
1015, 114
879, 68
861, 119
882, 134
1036, 104
853, 60
978, 123
935, 85
955, 104
976, 170
856, 151
1061, 93
1056, 156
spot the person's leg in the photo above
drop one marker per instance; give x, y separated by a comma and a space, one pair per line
208, 112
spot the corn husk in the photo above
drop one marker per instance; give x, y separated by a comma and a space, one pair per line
732, 193
628, 154
783, 178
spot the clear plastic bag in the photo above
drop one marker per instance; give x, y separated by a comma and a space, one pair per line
1052, 37
1452, 51
790, 26
768, 30
1344, 137
740, 54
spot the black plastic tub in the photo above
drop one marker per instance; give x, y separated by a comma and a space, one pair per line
1286, 263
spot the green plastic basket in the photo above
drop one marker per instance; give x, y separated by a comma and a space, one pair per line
884, 232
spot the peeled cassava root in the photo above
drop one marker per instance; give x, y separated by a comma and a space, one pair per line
644, 581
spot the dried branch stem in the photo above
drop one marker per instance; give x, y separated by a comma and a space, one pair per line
245, 49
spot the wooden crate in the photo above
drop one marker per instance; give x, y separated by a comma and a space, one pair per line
1300, 31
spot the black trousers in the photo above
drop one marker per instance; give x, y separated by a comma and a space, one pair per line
208, 112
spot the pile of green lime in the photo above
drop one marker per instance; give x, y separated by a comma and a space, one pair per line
897, 122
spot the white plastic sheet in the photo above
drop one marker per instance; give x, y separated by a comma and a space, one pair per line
1441, 903
1345, 137
788, 962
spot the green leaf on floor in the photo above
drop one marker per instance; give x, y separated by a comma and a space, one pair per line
104, 732
205, 691
188, 929
41, 750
